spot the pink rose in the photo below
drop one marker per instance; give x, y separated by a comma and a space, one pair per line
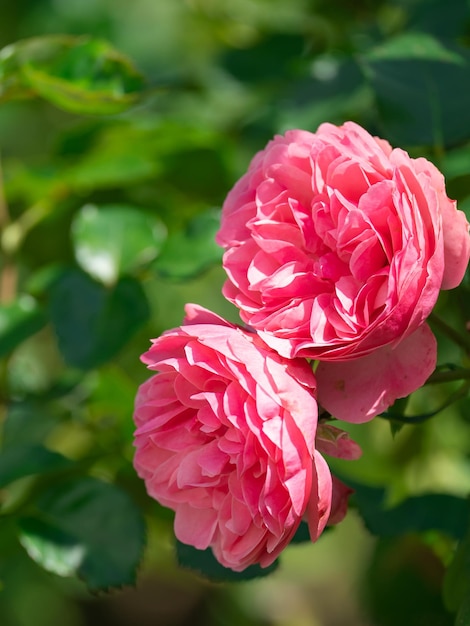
226, 438
336, 249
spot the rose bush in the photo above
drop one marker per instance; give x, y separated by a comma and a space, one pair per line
337, 247
226, 437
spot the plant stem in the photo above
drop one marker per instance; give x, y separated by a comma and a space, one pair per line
458, 373
461, 339
461, 392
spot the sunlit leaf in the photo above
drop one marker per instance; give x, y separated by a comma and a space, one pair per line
415, 46
113, 240
86, 527
120, 155
78, 74
19, 320
56, 551
93, 322
204, 563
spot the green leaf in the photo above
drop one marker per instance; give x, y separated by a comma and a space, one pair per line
19, 320
77, 74
25, 460
121, 154
456, 162
113, 240
413, 100
26, 424
415, 46
333, 90
92, 322
205, 564
88, 528
443, 512
55, 550
187, 254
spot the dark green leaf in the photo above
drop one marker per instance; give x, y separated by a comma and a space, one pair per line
18, 321
185, 255
78, 74
113, 240
413, 99
268, 60
27, 423
25, 460
457, 579
204, 563
443, 512
330, 93
92, 322
444, 19
89, 528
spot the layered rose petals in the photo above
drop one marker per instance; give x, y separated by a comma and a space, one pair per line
337, 245
226, 437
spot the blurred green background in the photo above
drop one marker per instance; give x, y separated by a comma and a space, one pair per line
107, 231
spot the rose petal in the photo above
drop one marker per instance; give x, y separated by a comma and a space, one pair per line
339, 501
195, 527
319, 506
358, 390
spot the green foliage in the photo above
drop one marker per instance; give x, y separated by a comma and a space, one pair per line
75, 527
24, 460
77, 74
443, 512
109, 204
112, 241
19, 320
189, 252
93, 322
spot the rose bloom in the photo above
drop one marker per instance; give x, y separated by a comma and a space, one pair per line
336, 248
226, 438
